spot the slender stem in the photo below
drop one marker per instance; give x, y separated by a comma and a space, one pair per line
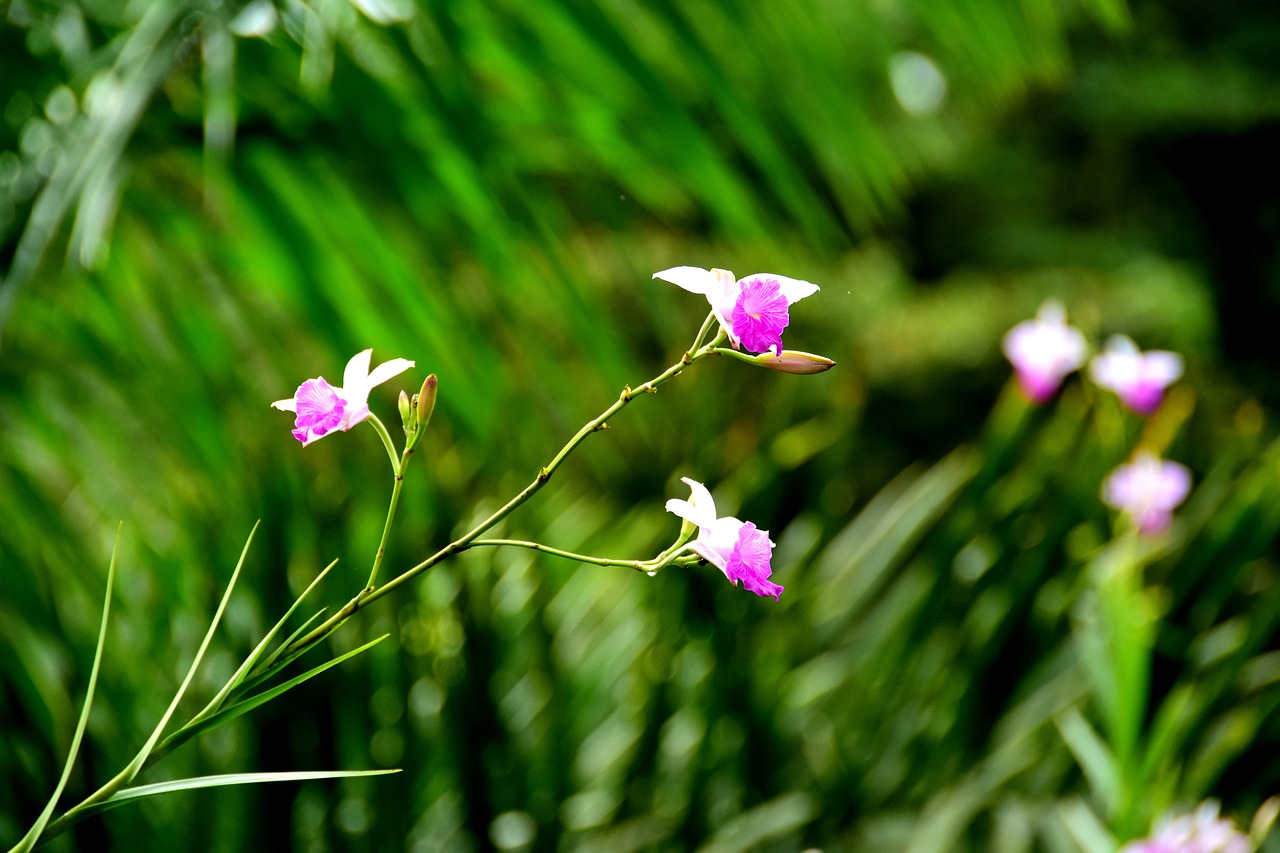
391, 514
638, 565
600, 422
386, 440
666, 558
702, 333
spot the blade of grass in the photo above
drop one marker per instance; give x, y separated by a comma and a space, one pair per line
33, 835
227, 714
128, 795
252, 659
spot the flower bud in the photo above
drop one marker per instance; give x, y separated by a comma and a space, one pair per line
425, 402
406, 412
794, 361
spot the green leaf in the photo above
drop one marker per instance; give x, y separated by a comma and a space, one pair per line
128, 795
196, 727
1085, 828
33, 835
1091, 753
253, 657
136, 765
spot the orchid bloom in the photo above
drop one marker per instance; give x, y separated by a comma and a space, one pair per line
1043, 351
737, 548
753, 311
1138, 378
321, 408
1147, 490
1200, 832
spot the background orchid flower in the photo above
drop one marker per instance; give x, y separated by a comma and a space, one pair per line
753, 311
1202, 831
321, 408
737, 548
1148, 490
1043, 351
1138, 378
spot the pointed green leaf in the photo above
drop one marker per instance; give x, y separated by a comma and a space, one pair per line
253, 657
33, 835
136, 765
197, 727
128, 795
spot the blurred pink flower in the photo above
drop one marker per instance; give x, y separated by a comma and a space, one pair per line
737, 548
1138, 378
1043, 351
321, 408
1147, 490
1199, 832
752, 311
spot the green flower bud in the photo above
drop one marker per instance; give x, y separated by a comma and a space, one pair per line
425, 402
794, 361
406, 413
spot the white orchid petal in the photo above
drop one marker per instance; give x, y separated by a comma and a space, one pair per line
712, 556
387, 370
1162, 366
290, 405
356, 375
692, 279
702, 502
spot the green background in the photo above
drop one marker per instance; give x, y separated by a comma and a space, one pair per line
194, 219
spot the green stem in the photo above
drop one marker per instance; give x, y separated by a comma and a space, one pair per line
386, 441
658, 562
600, 422
702, 333
391, 514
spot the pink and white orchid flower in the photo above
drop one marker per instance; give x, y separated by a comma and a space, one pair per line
737, 548
1138, 378
753, 311
1202, 831
321, 408
1043, 351
1147, 490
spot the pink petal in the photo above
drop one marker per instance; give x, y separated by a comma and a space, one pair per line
749, 561
759, 315
793, 289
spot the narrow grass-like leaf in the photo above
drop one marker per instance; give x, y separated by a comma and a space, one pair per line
196, 727
1085, 828
252, 659
128, 795
1090, 752
33, 835
140, 759
288, 641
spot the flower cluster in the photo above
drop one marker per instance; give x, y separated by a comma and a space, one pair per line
1202, 831
752, 313
1045, 350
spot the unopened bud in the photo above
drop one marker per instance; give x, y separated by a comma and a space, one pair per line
406, 412
425, 403
794, 361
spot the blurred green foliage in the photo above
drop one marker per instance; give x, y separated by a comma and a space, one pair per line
203, 203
